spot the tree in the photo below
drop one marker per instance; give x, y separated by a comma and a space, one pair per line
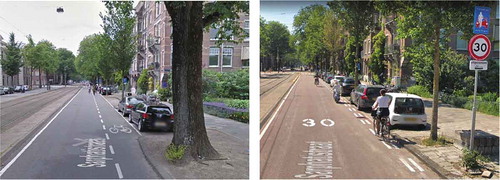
105, 63
276, 42
48, 58
118, 25
188, 24
356, 17
376, 64
66, 64
428, 24
87, 61
12, 61
308, 24
333, 35
31, 59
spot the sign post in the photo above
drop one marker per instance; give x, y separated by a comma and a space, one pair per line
479, 49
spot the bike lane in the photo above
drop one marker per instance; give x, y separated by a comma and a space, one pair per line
74, 145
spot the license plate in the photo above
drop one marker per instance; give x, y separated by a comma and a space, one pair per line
410, 119
160, 124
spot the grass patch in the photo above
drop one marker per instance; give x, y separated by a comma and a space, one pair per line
441, 141
175, 152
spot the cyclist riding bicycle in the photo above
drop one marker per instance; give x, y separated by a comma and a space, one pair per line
382, 106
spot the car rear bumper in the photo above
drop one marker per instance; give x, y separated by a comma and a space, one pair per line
397, 119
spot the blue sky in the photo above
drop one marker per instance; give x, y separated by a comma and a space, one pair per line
284, 11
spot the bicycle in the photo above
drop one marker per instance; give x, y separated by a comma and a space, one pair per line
385, 128
116, 128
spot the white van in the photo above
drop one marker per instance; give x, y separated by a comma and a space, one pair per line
407, 109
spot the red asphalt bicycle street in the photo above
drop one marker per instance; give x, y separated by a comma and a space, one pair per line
311, 136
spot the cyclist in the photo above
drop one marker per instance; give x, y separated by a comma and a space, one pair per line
382, 106
336, 90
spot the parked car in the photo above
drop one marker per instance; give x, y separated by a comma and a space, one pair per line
365, 95
25, 87
8, 90
106, 90
152, 117
127, 103
18, 88
2, 92
328, 77
347, 86
407, 109
339, 79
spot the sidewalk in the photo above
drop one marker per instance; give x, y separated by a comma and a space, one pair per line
10, 97
230, 138
447, 159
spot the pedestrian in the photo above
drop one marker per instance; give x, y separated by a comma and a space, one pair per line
94, 89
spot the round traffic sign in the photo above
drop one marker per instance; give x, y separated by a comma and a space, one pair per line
479, 47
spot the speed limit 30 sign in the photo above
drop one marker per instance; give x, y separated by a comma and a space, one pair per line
479, 47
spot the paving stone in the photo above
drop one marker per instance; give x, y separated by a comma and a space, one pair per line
486, 174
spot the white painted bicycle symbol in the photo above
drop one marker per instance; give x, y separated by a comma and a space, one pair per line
115, 129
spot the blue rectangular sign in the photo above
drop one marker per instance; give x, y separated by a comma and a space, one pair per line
481, 20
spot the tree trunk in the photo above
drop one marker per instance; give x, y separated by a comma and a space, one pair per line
356, 60
123, 86
189, 128
435, 90
39, 77
31, 78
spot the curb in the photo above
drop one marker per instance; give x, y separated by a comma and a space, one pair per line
149, 161
268, 115
9, 154
441, 172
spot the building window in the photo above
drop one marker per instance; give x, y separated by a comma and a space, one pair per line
245, 63
213, 60
246, 28
227, 56
461, 44
213, 34
157, 5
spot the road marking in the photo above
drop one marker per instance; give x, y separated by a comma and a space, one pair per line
387, 145
308, 122
103, 127
100, 116
416, 165
362, 121
95, 154
107, 136
122, 117
367, 122
330, 122
99, 112
407, 165
393, 145
318, 161
120, 175
360, 115
279, 107
36, 136
355, 114
102, 121
373, 132
111, 149
350, 109
82, 141
345, 105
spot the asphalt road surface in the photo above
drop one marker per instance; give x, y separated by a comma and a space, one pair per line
310, 137
86, 139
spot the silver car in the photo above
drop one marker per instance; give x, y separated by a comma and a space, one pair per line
127, 104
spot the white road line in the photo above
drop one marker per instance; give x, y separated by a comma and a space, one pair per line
406, 140
279, 107
362, 121
131, 125
100, 116
407, 165
36, 136
387, 145
350, 109
120, 175
107, 136
345, 105
360, 115
111, 149
373, 132
355, 114
103, 127
367, 122
416, 165
102, 121
98, 111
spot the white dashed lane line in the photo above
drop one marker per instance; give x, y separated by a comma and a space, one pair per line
111, 149
102, 121
107, 136
103, 127
386, 145
416, 165
367, 122
407, 165
362, 121
120, 175
371, 130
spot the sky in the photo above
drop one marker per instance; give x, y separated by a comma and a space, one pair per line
40, 19
284, 11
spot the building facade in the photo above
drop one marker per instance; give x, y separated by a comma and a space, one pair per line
154, 46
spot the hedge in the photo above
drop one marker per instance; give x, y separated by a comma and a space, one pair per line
220, 109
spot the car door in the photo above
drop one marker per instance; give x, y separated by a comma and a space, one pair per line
135, 112
359, 91
121, 104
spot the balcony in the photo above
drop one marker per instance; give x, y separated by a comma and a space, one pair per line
154, 44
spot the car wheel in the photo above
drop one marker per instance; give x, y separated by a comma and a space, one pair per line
422, 127
119, 110
140, 126
130, 119
123, 113
350, 99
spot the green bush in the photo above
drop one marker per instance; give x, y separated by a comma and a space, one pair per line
419, 90
232, 85
175, 152
142, 82
164, 93
489, 107
472, 159
489, 96
237, 103
457, 101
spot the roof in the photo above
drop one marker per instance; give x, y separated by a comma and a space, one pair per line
403, 95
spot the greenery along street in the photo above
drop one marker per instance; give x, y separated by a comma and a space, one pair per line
335, 38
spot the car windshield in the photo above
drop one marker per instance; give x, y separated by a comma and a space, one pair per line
341, 79
349, 80
134, 101
409, 106
373, 92
162, 110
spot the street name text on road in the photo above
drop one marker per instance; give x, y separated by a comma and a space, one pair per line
319, 161
96, 153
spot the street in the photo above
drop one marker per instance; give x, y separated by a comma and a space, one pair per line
310, 136
86, 139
